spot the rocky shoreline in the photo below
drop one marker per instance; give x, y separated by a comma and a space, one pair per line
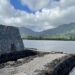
32, 62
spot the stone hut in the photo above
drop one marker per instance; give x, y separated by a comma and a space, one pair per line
10, 39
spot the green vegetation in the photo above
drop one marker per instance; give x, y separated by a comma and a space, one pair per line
56, 37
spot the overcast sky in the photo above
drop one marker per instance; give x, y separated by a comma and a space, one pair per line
37, 14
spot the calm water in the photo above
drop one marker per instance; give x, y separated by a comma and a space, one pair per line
45, 45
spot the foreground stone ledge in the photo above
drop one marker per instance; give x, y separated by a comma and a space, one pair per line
31, 62
14, 56
54, 68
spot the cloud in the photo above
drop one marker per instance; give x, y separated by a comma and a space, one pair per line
67, 4
35, 4
61, 12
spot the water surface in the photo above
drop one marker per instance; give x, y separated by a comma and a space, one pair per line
48, 45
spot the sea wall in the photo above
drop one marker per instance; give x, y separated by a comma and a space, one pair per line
58, 66
65, 67
10, 36
61, 66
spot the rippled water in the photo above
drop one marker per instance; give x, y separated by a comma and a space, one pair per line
45, 45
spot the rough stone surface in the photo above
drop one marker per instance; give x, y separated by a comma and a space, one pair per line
33, 67
10, 36
48, 64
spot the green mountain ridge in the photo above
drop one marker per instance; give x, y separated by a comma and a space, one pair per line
66, 31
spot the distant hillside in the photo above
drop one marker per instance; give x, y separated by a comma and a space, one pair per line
63, 31
27, 32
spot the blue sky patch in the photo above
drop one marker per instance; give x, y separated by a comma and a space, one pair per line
17, 5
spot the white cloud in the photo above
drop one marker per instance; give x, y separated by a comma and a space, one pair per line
67, 4
51, 17
35, 4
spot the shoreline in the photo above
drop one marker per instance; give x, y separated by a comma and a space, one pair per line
50, 39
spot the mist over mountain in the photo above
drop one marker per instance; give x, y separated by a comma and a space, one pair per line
27, 32
62, 29
66, 29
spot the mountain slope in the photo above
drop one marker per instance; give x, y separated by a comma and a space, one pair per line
27, 32
63, 29
66, 29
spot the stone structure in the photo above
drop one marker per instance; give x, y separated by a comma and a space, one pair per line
34, 64
10, 39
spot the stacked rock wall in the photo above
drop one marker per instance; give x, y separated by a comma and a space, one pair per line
10, 36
